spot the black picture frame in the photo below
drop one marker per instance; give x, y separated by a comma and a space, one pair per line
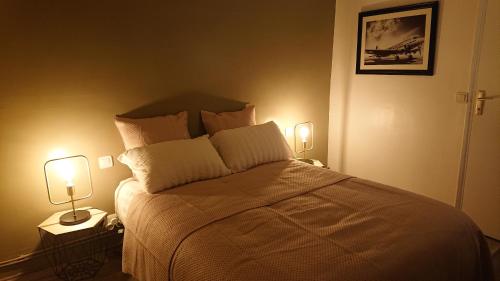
413, 55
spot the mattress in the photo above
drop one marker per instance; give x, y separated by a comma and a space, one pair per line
292, 221
123, 196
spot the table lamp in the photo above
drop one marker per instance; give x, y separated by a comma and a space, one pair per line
66, 170
304, 136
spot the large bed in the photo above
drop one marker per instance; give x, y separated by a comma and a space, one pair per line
292, 221
288, 220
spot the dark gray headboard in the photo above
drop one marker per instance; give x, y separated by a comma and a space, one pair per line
191, 102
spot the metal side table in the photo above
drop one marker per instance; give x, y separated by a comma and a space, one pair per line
75, 252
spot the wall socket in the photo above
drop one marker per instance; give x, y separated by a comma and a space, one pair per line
289, 132
105, 162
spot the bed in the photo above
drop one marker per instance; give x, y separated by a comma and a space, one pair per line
288, 220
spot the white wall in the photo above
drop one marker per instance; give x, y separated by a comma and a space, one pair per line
404, 131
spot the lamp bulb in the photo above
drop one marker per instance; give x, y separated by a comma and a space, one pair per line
304, 133
67, 172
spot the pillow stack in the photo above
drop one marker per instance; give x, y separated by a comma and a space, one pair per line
161, 154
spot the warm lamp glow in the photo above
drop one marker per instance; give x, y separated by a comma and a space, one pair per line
57, 153
64, 167
304, 136
304, 133
66, 171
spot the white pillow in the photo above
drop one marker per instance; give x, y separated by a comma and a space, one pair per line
246, 147
167, 164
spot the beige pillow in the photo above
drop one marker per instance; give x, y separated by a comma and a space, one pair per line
246, 147
145, 131
215, 122
167, 164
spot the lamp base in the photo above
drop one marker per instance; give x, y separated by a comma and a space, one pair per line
308, 161
78, 217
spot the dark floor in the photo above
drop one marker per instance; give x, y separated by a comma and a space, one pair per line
111, 271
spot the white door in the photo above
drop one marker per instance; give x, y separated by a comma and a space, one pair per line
481, 195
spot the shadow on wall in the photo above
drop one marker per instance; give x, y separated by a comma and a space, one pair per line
193, 103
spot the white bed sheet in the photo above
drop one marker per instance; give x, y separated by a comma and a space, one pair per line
124, 193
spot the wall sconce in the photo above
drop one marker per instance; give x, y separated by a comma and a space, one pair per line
65, 168
304, 138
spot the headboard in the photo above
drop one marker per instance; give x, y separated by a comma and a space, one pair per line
191, 102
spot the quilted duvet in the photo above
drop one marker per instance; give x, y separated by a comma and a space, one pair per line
292, 221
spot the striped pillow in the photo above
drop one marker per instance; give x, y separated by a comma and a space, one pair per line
167, 164
247, 147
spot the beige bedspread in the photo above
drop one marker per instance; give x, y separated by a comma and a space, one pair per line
292, 221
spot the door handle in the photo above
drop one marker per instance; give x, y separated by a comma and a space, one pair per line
480, 99
485, 98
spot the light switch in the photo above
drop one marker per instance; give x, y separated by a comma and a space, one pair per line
105, 162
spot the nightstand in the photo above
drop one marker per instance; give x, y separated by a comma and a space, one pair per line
313, 162
75, 252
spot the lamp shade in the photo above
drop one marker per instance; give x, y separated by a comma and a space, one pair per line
67, 173
304, 137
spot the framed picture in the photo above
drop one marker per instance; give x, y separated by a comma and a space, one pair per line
399, 40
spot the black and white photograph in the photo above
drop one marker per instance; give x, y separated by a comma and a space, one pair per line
397, 40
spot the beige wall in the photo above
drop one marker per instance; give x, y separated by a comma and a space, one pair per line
404, 131
67, 67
